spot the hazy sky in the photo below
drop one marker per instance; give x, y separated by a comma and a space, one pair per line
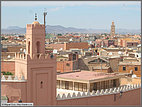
79, 14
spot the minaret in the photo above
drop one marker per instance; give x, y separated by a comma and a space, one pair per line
38, 68
35, 38
112, 30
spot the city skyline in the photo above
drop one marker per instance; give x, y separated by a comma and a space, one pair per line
90, 14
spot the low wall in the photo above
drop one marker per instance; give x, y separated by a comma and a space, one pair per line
131, 97
14, 89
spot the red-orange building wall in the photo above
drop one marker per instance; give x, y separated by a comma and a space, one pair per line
56, 46
68, 46
8, 66
79, 45
129, 68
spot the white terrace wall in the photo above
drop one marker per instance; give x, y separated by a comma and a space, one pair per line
14, 89
130, 96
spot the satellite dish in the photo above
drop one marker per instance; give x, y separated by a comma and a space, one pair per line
24, 50
134, 76
20, 49
71, 39
8, 56
110, 53
61, 48
119, 52
54, 51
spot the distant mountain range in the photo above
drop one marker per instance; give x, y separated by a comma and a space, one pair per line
61, 29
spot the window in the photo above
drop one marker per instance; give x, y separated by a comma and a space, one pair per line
80, 87
71, 85
67, 64
74, 56
58, 84
76, 86
63, 84
29, 47
84, 87
114, 83
38, 46
67, 85
95, 87
124, 68
136, 68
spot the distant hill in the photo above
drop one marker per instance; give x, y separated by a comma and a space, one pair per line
61, 29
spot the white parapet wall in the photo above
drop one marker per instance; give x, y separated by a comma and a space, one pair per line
15, 79
114, 90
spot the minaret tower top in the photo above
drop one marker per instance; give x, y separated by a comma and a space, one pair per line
35, 38
35, 16
112, 33
36, 22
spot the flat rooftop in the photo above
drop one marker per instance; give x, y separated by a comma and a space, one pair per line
86, 76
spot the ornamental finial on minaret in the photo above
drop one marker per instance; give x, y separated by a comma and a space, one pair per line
35, 16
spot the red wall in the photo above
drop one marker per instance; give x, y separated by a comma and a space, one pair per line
62, 66
56, 46
8, 66
14, 90
131, 97
79, 45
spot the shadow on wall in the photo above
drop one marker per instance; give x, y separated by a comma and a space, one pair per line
82, 65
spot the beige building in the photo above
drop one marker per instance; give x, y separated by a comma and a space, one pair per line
87, 80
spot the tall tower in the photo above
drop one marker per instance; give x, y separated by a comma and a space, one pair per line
112, 30
38, 68
35, 38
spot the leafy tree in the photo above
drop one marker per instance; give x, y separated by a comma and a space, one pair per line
59, 34
6, 73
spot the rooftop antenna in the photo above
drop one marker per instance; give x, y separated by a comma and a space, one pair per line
35, 16
45, 13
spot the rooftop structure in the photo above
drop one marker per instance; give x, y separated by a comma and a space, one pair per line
87, 80
87, 76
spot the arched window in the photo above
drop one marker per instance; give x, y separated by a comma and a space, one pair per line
74, 56
29, 47
38, 46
